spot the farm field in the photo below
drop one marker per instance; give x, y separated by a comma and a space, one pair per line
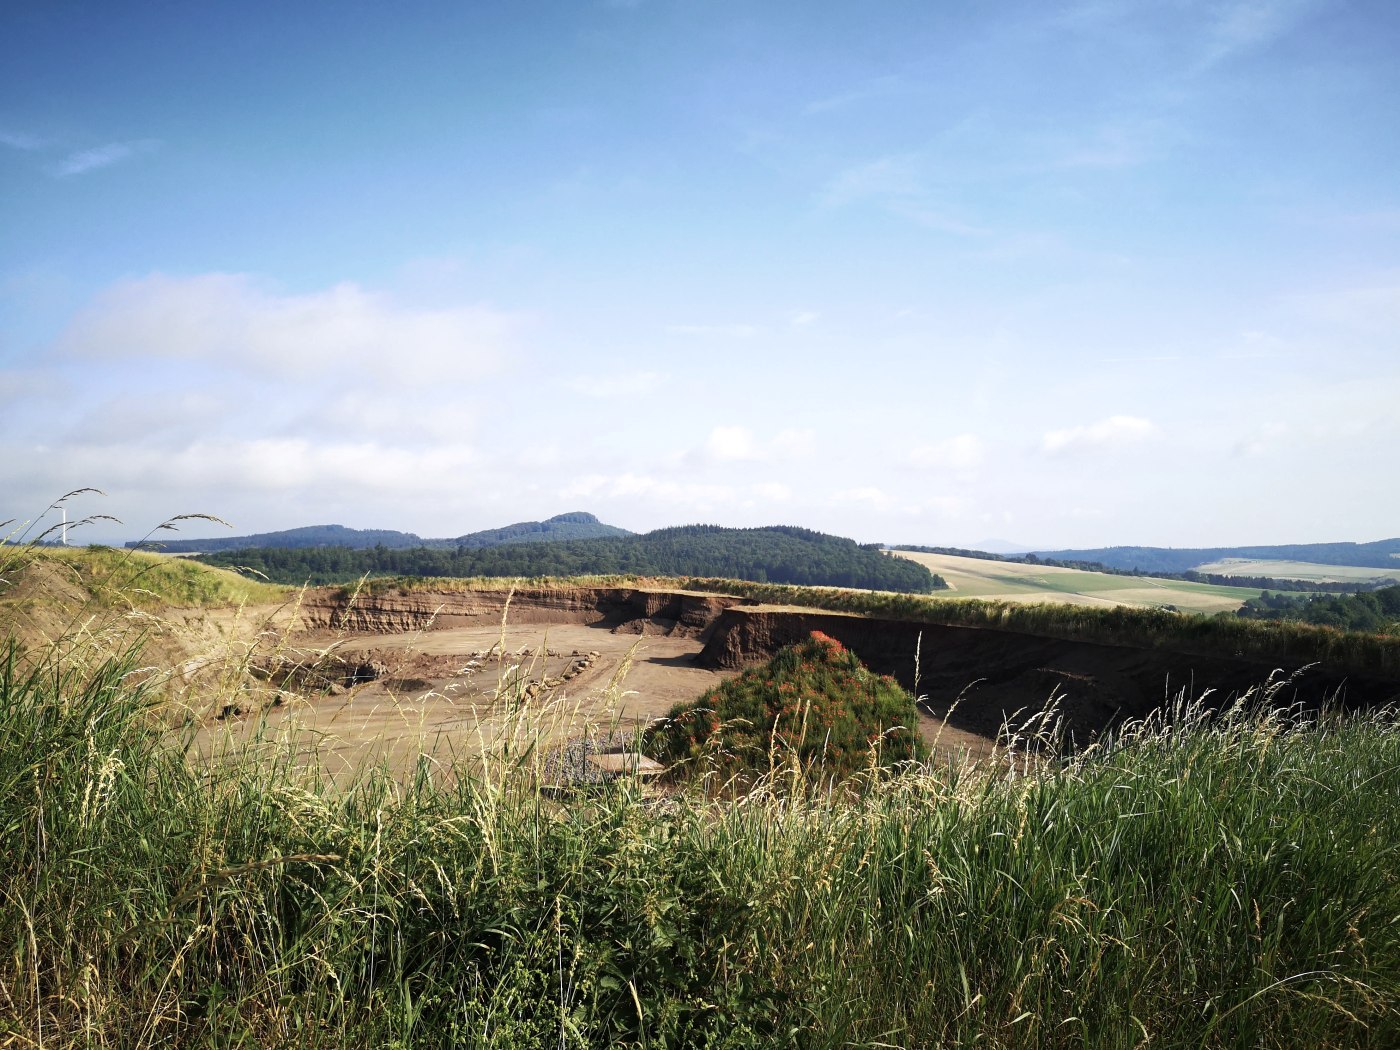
1014, 582
1298, 570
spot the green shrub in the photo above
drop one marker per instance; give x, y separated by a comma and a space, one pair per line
814, 703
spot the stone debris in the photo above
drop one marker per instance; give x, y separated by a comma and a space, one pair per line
598, 758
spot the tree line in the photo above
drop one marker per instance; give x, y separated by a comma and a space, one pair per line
1374, 611
777, 554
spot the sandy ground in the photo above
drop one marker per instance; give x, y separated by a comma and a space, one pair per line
452, 694
416, 707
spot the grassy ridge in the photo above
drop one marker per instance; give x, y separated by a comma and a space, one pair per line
1284, 641
149, 580
1212, 885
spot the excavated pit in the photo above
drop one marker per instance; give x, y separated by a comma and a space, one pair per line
407, 666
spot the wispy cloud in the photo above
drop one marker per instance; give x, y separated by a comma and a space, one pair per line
1247, 24
895, 175
86, 160
879, 87
233, 322
897, 183
1106, 433
21, 141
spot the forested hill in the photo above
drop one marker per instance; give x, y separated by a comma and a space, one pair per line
577, 525
778, 554
1382, 554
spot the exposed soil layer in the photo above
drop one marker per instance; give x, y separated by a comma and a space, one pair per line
972, 679
998, 673
636, 610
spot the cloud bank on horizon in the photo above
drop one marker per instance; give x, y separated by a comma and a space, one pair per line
1075, 274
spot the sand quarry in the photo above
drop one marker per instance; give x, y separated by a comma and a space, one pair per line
455, 692
451, 674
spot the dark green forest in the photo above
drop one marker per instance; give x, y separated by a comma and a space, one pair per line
777, 554
1369, 611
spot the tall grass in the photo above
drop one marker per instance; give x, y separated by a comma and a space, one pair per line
1221, 883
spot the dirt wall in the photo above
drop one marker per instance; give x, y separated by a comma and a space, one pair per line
998, 673
400, 612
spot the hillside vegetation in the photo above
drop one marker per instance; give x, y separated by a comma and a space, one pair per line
573, 526
1216, 884
780, 554
106, 576
813, 707
1376, 611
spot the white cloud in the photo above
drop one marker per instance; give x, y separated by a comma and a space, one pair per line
626, 384
1262, 440
737, 444
344, 333
963, 452
730, 444
868, 495
686, 494
771, 492
259, 466
803, 318
1115, 430
102, 156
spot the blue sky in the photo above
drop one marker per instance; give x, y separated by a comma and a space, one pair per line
1068, 274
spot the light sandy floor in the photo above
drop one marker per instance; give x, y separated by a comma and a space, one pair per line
477, 706
404, 713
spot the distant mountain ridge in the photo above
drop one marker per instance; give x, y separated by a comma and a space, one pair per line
1381, 554
575, 525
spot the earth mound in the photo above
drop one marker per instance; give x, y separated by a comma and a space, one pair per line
814, 703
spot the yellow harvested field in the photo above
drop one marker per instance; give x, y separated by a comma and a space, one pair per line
1299, 570
1015, 582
